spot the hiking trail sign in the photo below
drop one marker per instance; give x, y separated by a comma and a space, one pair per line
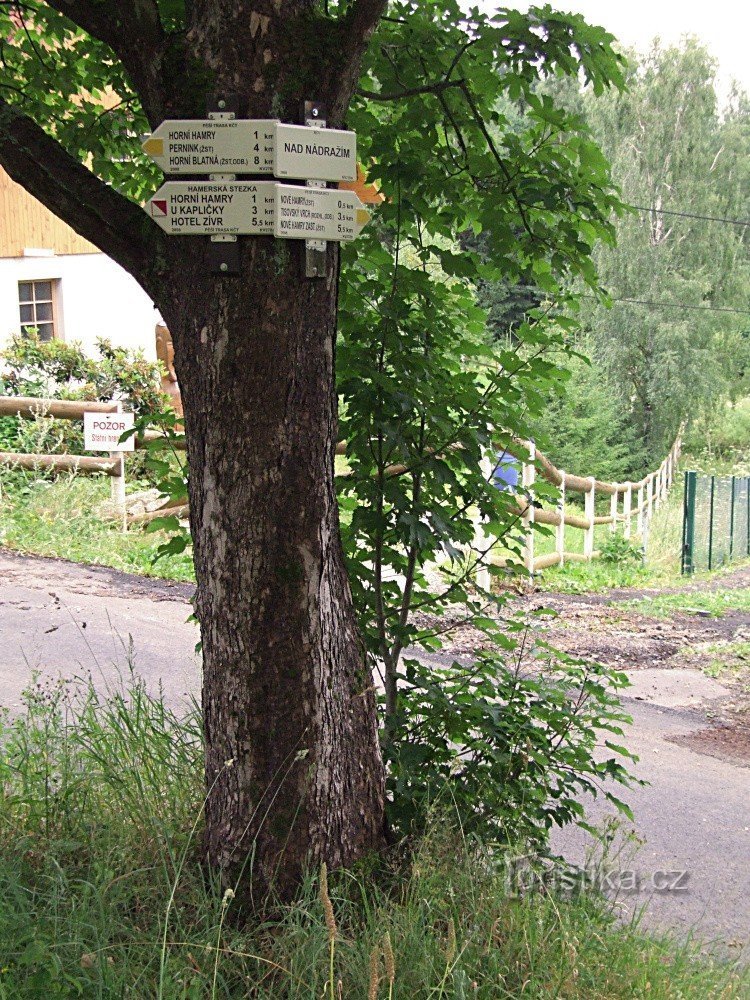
225, 208
229, 146
312, 213
214, 208
318, 154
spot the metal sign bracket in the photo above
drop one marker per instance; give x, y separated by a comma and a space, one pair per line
224, 252
316, 251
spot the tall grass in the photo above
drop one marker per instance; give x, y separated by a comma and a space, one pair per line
102, 893
66, 517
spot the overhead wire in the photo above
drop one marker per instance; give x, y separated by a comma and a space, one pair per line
691, 215
673, 305
684, 305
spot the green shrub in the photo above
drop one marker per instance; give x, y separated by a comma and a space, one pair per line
510, 749
54, 369
61, 370
9, 428
620, 551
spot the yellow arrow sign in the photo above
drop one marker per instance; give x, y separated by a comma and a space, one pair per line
154, 147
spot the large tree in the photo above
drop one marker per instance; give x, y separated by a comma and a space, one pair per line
293, 767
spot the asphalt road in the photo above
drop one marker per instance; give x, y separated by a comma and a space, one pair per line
692, 869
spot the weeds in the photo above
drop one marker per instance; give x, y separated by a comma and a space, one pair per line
63, 517
100, 806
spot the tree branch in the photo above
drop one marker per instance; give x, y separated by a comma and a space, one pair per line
133, 30
428, 88
113, 223
357, 25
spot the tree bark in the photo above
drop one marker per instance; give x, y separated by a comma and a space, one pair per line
287, 697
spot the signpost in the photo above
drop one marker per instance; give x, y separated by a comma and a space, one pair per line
214, 208
323, 154
213, 146
318, 213
225, 208
102, 431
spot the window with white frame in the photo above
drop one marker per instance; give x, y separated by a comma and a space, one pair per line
37, 307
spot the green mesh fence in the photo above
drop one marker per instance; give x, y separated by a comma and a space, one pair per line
716, 521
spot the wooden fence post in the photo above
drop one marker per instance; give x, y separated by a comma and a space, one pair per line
590, 513
560, 529
649, 497
613, 512
627, 504
639, 528
528, 480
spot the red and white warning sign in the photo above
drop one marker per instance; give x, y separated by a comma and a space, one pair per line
102, 431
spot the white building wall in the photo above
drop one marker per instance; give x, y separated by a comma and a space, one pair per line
96, 298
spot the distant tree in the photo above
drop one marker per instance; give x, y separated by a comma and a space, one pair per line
671, 149
585, 428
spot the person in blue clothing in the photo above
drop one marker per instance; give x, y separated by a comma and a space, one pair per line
505, 476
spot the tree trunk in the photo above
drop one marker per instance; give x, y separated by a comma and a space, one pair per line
293, 768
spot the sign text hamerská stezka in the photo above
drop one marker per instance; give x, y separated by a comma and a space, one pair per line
214, 208
257, 208
229, 146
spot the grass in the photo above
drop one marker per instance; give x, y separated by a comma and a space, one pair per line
690, 601
102, 894
660, 566
724, 660
61, 517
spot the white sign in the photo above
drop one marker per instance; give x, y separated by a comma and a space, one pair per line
102, 431
231, 146
318, 214
214, 208
314, 154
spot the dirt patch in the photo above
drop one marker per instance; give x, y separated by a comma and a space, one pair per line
45, 573
626, 639
730, 743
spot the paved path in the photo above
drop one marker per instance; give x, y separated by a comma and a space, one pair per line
62, 619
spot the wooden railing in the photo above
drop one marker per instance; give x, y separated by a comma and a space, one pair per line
631, 505
111, 465
629, 502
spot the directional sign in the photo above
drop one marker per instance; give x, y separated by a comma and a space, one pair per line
314, 154
214, 208
318, 213
102, 431
230, 146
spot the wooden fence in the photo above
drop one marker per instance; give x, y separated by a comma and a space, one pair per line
629, 502
112, 465
631, 505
